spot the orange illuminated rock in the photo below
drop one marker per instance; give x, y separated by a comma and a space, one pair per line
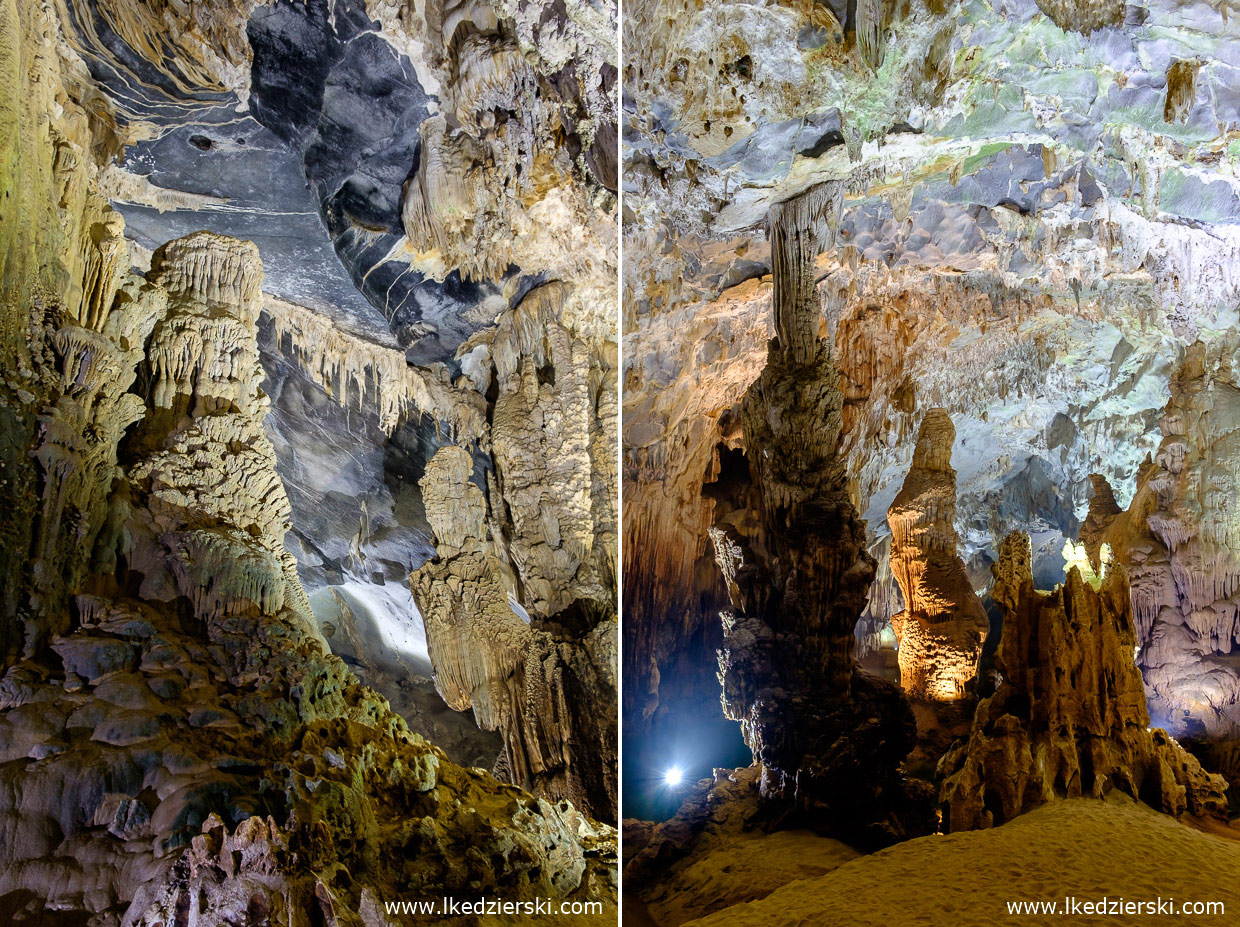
943, 625
1070, 717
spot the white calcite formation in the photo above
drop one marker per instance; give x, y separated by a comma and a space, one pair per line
1177, 541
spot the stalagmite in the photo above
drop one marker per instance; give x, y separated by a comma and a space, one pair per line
1177, 543
829, 738
943, 625
1070, 717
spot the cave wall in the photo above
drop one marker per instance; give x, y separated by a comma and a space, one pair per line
177, 730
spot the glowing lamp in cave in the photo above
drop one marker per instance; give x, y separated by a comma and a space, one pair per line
674, 776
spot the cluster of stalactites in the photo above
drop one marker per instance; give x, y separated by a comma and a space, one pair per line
212, 272
369, 377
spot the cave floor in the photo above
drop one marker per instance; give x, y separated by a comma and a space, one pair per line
1081, 848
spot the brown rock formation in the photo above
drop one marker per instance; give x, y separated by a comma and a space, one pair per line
1069, 718
829, 738
520, 604
943, 625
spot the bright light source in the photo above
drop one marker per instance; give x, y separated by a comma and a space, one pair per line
673, 776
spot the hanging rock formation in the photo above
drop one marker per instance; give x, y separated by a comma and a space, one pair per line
543, 685
829, 738
943, 624
1069, 718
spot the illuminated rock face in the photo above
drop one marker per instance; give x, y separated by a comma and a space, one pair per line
1069, 718
1177, 542
176, 736
943, 625
1042, 293
792, 551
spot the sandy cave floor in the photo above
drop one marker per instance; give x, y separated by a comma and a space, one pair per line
1083, 848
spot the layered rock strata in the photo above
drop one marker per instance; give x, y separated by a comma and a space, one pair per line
1069, 718
943, 625
829, 738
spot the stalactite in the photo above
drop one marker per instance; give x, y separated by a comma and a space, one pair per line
385, 384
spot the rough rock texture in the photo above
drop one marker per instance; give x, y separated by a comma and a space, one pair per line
432, 187
1051, 219
829, 738
179, 737
1177, 541
943, 625
543, 685
1069, 718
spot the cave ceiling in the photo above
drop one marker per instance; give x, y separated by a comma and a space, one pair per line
1041, 215
296, 129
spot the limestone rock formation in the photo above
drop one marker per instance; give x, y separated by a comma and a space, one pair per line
193, 738
345, 139
829, 738
1069, 718
178, 739
1042, 292
943, 625
542, 685
1177, 542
